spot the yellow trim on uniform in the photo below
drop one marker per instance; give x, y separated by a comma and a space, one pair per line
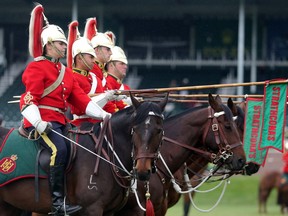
52, 146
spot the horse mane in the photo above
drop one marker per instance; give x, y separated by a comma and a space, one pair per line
226, 109
240, 118
228, 113
141, 113
143, 110
193, 109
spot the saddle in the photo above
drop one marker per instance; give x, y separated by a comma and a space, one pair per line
43, 155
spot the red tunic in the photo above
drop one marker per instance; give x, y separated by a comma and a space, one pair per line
41, 74
113, 83
285, 159
98, 70
85, 82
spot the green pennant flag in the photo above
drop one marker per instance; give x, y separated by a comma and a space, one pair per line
252, 131
274, 116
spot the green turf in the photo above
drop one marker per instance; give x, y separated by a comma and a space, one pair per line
240, 199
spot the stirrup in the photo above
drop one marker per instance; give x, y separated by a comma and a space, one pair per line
57, 211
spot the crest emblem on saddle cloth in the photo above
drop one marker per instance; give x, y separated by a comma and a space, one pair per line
8, 165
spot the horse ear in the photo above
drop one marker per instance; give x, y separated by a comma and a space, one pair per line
232, 107
242, 105
135, 102
218, 98
214, 103
163, 103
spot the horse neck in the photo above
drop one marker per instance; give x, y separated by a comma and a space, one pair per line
122, 140
189, 130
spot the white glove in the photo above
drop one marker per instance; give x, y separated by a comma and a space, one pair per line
32, 114
110, 95
93, 110
44, 127
129, 102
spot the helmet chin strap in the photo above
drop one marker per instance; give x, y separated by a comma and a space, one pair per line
56, 49
85, 62
118, 71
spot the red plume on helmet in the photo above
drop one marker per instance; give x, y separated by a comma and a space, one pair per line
90, 28
35, 29
112, 36
72, 36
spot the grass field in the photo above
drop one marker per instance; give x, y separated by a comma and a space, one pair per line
240, 199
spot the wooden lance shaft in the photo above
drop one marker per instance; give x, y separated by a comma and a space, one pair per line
201, 87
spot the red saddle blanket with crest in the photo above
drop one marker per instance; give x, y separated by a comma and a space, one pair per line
18, 158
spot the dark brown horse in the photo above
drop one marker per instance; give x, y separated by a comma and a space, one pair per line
136, 131
269, 181
283, 193
250, 168
206, 131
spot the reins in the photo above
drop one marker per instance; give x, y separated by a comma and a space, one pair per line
223, 151
197, 150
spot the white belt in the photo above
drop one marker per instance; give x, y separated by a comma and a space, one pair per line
51, 108
80, 117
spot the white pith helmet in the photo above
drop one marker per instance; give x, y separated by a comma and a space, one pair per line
118, 55
82, 45
52, 33
102, 39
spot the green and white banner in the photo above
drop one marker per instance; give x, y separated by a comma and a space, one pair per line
252, 131
274, 116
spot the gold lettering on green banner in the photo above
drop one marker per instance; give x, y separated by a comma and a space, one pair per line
252, 131
273, 124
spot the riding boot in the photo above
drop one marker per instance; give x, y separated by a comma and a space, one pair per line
59, 205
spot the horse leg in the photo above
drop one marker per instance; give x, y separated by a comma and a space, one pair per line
163, 210
263, 197
186, 201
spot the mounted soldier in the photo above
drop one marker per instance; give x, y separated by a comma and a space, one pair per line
81, 57
50, 87
102, 44
116, 72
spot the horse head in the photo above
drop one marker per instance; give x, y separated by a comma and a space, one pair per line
223, 136
239, 115
147, 134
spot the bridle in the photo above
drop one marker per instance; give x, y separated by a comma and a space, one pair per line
153, 156
224, 147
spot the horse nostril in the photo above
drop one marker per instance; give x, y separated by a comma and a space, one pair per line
143, 176
241, 162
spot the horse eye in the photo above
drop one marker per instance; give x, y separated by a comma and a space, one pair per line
159, 130
227, 126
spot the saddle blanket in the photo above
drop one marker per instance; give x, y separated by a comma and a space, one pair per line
18, 158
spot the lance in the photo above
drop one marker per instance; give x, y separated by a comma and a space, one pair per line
202, 95
187, 101
158, 90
